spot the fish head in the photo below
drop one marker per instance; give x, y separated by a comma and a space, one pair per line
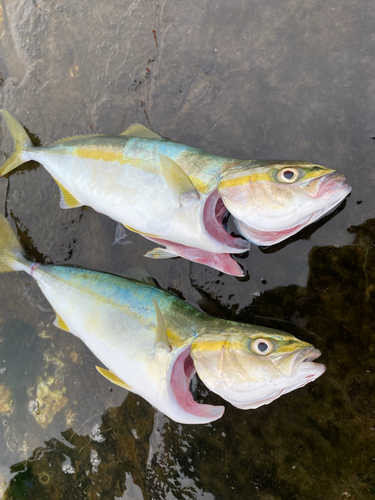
254, 367
271, 201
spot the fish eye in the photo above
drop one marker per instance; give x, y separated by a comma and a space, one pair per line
287, 175
261, 346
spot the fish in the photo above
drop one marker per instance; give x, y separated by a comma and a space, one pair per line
177, 196
152, 343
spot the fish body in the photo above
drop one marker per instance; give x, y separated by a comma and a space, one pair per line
177, 195
153, 343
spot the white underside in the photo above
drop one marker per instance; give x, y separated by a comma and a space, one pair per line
134, 196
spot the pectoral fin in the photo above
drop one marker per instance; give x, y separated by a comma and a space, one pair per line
60, 323
67, 200
161, 331
160, 253
137, 130
113, 378
178, 181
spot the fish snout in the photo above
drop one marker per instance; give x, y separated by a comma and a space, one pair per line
329, 184
291, 363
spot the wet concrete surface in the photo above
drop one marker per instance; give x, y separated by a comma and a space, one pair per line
248, 79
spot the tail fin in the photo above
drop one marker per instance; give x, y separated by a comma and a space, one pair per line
21, 141
11, 253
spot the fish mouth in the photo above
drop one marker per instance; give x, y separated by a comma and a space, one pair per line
183, 370
302, 368
327, 184
330, 187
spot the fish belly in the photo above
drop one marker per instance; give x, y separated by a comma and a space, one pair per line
95, 309
134, 195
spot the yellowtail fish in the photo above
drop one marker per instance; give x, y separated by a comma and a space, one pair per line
177, 196
152, 343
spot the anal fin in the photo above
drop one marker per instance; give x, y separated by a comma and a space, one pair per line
113, 378
146, 235
67, 200
60, 323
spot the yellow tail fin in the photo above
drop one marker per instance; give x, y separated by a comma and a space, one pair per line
11, 252
21, 141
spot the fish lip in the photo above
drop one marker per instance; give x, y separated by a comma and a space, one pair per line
303, 360
307, 355
327, 184
181, 373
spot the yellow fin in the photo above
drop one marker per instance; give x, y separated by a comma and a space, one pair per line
21, 142
67, 200
140, 232
66, 139
60, 323
138, 130
178, 181
160, 253
113, 378
161, 331
11, 252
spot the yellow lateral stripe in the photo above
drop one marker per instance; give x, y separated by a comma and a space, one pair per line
202, 345
175, 339
100, 154
245, 179
113, 378
201, 186
103, 154
265, 176
140, 232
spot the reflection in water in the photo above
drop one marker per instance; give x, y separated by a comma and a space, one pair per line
298, 445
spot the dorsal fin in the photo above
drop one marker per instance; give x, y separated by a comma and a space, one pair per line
177, 180
113, 378
161, 331
66, 139
138, 130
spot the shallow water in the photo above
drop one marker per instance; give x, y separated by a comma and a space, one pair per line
289, 80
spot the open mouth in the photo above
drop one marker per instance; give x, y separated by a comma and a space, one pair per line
183, 370
331, 182
304, 368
